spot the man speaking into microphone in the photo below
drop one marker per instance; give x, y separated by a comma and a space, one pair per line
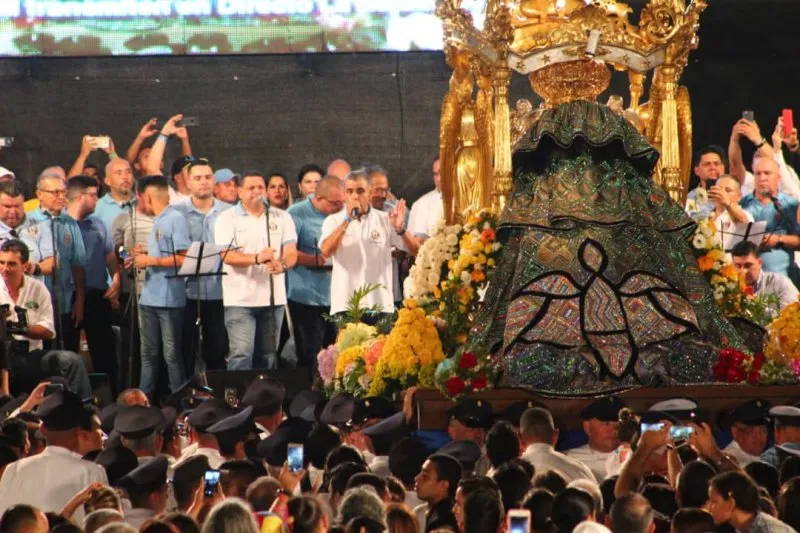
359, 240
780, 212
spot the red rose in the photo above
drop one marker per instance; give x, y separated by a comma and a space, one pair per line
479, 382
754, 377
748, 291
720, 370
758, 362
468, 360
735, 375
455, 386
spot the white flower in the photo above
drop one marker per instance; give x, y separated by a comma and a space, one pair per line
699, 241
701, 196
719, 292
452, 239
486, 225
717, 265
433, 279
496, 246
691, 206
466, 279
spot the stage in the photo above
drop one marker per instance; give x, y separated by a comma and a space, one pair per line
713, 398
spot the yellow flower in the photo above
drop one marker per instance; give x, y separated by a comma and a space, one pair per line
490, 263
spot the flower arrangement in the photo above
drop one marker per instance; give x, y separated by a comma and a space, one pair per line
464, 374
734, 366
731, 293
433, 256
409, 355
783, 337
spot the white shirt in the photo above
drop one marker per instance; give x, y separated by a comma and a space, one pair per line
215, 459
380, 466
426, 214
177, 197
724, 223
742, 457
776, 284
48, 481
138, 516
543, 458
364, 256
34, 297
249, 286
788, 183
596, 461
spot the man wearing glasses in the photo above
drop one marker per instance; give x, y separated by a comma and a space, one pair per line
310, 282
68, 285
100, 261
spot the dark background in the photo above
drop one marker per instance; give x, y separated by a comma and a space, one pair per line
281, 111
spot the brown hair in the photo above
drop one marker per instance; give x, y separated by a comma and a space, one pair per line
400, 520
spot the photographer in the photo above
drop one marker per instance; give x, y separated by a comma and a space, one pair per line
29, 321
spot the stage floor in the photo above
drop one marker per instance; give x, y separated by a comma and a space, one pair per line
714, 399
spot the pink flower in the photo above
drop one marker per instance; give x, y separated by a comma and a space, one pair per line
326, 363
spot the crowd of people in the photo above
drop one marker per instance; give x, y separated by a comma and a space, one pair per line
101, 256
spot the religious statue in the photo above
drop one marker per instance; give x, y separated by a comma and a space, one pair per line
471, 169
458, 96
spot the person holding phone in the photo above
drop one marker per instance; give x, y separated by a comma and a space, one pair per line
709, 166
749, 424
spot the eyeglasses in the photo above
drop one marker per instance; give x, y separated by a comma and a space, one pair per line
55, 192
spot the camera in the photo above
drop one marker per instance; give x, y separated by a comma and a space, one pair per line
21, 325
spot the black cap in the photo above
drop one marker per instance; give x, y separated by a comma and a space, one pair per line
513, 413
604, 409
192, 388
371, 407
190, 403
785, 415
191, 470
407, 457
304, 400
148, 477
339, 410
273, 449
751, 413
209, 413
63, 410
179, 164
466, 452
235, 427
265, 395
108, 416
170, 416
10, 406
472, 413
118, 461
138, 422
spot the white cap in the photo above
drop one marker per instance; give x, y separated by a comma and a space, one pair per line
785, 410
590, 527
674, 404
6, 172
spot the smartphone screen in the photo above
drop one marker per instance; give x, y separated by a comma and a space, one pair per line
788, 122
519, 521
212, 480
53, 387
680, 432
749, 115
652, 427
294, 457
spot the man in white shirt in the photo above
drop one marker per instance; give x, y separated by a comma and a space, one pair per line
749, 427
29, 300
51, 479
539, 435
254, 284
600, 423
203, 417
428, 210
747, 262
726, 195
360, 240
709, 166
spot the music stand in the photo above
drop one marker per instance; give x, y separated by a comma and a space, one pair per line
743, 231
202, 260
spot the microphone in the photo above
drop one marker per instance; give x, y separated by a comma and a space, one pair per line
355, 213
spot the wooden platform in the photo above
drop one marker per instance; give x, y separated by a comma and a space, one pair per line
714, 399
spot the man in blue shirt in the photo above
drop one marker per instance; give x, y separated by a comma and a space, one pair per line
15, 225
161, 305
780, 213
201, 211
50, 218
100, 261
310, 281
709, 167
119, 180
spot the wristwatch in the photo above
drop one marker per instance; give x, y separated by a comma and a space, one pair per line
284, 266
401, 232
762, 143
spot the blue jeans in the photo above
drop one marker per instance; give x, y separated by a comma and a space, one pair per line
160, 328
253, 334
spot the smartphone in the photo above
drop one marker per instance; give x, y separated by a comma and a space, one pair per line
231, 397
188, 121
788, 122
710, 183
294, 457
123, 254
749, 115
212, 480
102, 141
680, 432
53, 388
5, 142
519, 521
652, 427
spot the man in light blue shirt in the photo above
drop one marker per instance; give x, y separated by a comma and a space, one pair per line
780, 213
50, 218
205, 293
709, 167
15, 225
310, 281
100, 261
119, 198
161, 306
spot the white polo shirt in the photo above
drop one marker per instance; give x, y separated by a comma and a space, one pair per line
426, 214
364, 256
34, 297
249, 286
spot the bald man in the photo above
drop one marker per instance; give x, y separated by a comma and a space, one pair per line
339, 168
725, 195
119, 198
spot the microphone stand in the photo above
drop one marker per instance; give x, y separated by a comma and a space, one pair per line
271, 337
55, 281
133, 302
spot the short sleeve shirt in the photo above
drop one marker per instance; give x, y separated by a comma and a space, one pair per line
778, 223
170, 235
309, 286
98, 244
426, 214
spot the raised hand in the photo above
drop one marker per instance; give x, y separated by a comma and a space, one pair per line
149, 129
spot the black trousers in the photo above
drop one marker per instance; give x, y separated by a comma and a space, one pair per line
311, 333
215, 337
97, 321
127, 318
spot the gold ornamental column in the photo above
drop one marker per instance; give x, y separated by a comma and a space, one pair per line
502, 142
670, 147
